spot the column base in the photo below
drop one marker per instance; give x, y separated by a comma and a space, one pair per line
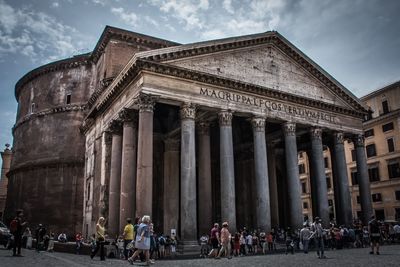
188, 247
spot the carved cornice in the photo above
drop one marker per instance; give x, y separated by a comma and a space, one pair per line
171, 144
188, 111
289, 129
59, 109
203, 128
358, 140
44, 164
258, 124
316, 133
338, 138
225, 118
146, 102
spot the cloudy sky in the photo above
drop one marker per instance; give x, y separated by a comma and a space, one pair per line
356, 41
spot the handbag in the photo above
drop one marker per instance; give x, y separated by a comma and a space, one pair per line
130, 245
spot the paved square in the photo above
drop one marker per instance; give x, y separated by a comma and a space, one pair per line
390, 256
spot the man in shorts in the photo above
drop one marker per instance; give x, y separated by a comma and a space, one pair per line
214, 241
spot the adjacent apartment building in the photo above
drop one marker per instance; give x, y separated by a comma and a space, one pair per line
382, 144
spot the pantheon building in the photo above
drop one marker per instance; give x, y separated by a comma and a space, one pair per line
189, 134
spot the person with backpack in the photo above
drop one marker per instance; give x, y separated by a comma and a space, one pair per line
375, 234
16, 230
161, 242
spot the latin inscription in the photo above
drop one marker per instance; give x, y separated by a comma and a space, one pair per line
269, 105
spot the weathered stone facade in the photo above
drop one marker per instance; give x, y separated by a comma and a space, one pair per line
189, 134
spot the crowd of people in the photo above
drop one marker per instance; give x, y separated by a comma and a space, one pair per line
139, 242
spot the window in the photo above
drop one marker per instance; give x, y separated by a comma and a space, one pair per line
358, 199
397, 213
305, 205
377, 197
387, 127
369, 133
304, 187
354, 178
371, 151
326, 161
302, 169
397, 193
385, 107
301, 155
394, 170
328, 182
373, 173
353, 155
68, 100
380, 215
33, 107
390, 144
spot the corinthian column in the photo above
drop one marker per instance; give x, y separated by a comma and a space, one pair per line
344, 215
318, 166
188, 174
205, 190
144, 178
228, 207
128, 172
171, 185
263, 209
363, 179
115, 178
293, 180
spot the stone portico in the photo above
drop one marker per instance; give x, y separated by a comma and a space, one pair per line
210, 132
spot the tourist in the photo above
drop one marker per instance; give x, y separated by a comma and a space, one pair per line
204, 245
214, 241
318, 235
16, 230
249, 243
121, 247
305, 234
100, 239
40, 233
161, 242
289, 241
375, 235
255, 242
236, 244
128, 235
153, 243
225, 241
242, 242
29, 239
263, 242
62, 238
78, 242
174, 242
49, 244
142, 242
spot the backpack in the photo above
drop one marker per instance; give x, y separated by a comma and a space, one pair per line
162, 241
14, 226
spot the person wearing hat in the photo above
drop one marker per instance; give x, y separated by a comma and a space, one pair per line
225, 241
214, 240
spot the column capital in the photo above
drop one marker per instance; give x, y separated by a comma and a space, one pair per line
338, 138
316, 133
171, 144
289, 128
203, 127
188, 111
358, 140
225, 118
146, 102
128, 115
258, 124
115, 126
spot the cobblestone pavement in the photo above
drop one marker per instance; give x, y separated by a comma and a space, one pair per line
390, 256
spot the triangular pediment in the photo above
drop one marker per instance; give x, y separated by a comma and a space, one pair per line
266, 60
264, 66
